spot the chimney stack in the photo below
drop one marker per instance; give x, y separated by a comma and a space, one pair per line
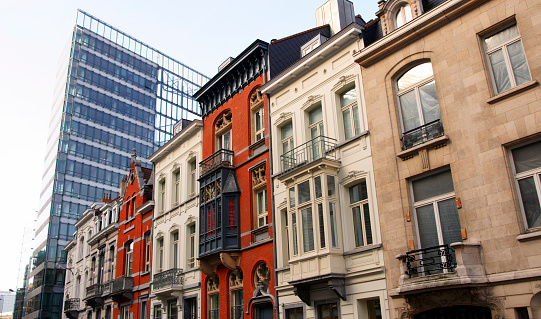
336, 13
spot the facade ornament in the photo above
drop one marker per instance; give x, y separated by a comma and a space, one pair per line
261, 280
283, 116
353, 176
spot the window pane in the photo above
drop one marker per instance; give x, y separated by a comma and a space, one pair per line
433, 185
527, 157
429, 102
358, 193
315, 115
287, 130
367, 227
317, 186
518, 63
410, 112
331, 189
530, 201
358, 226
356, 119
321, 225
334, 233
426, 221
415, 75
304, 192
307, 230
294, 228
348, 97
501, 37
292, 197
499, 70
346, 115
450, 223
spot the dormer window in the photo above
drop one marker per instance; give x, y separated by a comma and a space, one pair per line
403, 15
313, 44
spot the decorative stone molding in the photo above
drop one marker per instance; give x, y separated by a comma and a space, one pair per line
342, 81
256, 99
213, 284
235, 279
283, 117
312, 99
353, 176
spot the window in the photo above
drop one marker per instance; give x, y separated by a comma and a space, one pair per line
213, 290
284, 245
174, 249
258, 118
506, 59
527, 173
315, 120
259, 184
176, 189
147, 251
144, 309
161, 203
129, 258
328, 311
159, 259
192, 167
112, 263
403, 16
125, 312
295, 313
419, 106
81, 247
435, 210
350, 113
190, 308
370, 308
173, 311
236, 295
191, 247
358, 200
157, 312
223, 132
287, 146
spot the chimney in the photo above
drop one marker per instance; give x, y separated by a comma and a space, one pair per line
336, 13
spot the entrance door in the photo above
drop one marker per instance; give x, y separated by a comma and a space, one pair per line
263, 311
456, 312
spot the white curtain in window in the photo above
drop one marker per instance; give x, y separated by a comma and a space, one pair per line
499, 70
518, 63
429, 102
410, 114
307, 230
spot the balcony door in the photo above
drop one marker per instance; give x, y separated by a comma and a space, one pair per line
263, 311
315, 118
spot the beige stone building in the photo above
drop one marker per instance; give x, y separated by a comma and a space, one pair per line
454, 112
176, 279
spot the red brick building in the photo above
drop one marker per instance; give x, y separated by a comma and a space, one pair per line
131, 288
235, 244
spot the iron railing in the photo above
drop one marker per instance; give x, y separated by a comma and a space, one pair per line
221, 158
317, 148
71, 304
122, 284
430, 261
214, 314
236, 312
168, 278
422, 134
94, 291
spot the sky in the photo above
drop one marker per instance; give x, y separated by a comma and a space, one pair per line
33, 34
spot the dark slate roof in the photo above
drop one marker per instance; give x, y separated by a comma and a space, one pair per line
231, 184
431, 4
372, 32
284, 52
147, 173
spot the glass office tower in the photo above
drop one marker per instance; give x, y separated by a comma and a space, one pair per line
119, 95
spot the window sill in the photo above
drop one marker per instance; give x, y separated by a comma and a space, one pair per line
530, 236
406, 154
362, 249
512, 92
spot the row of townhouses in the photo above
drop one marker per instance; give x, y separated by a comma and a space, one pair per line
381, 169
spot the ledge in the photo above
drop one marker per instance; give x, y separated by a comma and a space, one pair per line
512, 92
529, 236
432, 143
362, 249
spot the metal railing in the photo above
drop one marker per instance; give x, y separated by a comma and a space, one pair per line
221, 158
422, 134
317, 148
71, 304
236, 312
122, 284
94, 291
168, 278
430, 261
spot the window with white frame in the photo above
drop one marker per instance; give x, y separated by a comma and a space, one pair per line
192, 173
147, 251
370, 308
125, 312
223, 132
258, 118
315, 126
176, 187
112, 263
157, 312
419, 106
191, 246
129, 258
159, 255
213, 290
506, 59
526, 161
259, 185
403, 15
174, 249
161, 202
360, 211
285, 233
236, 294
287, 145
350, 113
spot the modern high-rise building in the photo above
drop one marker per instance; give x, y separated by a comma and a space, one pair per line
114, 94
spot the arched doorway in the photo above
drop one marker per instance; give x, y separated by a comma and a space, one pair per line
456, 312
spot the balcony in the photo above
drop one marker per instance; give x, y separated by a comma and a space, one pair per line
93, 295
221, 158
107, 288
422, 134
167, 279
71, 308
122, 289
321, 147
455, 265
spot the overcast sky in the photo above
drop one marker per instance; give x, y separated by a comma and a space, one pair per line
33, 33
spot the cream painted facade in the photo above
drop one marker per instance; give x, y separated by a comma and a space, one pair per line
490, 125
176, 279
329, 254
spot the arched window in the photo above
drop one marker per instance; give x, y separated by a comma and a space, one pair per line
419, 106
213, 291
236, 294
403, 15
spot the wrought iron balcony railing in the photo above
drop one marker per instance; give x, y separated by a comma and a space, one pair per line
93, 291
221, 158
71, 304
430, 261
421, 134
317, 148
166, 279
122, 284
236, 312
